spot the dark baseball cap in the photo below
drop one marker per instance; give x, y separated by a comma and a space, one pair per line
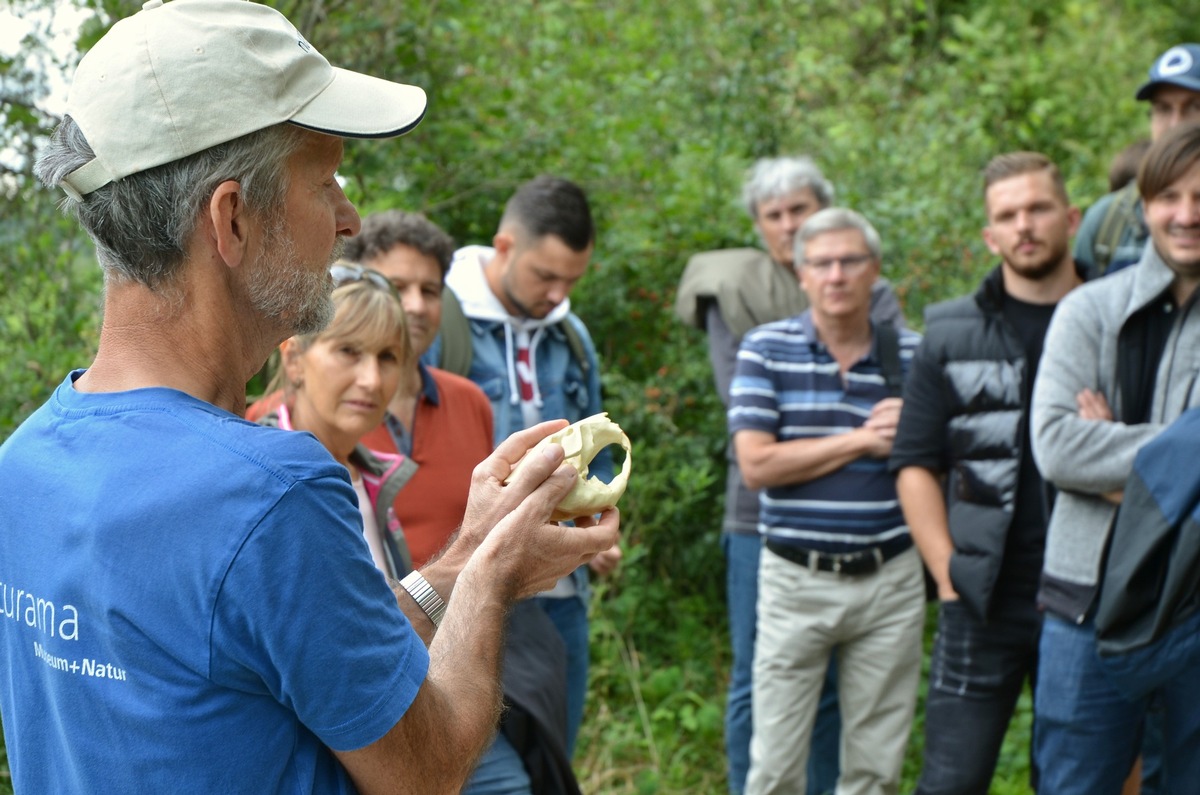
1178, 66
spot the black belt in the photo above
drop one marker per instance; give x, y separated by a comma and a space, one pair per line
868, 561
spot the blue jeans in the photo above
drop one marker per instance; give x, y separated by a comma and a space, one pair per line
741, 587
1088, 730
500, 772
570, 616
976, 673
1139, 672
1152, 748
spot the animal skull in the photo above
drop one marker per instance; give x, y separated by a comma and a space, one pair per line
581, 442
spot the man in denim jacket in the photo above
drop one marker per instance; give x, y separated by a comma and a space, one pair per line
531, 365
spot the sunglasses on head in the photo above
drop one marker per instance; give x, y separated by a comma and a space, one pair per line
346, 273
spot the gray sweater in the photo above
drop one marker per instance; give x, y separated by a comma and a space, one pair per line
1086, 459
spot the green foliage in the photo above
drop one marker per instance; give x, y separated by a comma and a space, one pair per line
5, 778
657, 108
49, 309
653, 723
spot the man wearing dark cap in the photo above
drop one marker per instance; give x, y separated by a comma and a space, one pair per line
188, 600
1113, 232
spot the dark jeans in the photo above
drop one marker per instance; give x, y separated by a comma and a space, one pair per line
976, 674
499, 772
1088, 730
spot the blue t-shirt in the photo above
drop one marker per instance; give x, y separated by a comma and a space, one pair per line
188, 604
788, 384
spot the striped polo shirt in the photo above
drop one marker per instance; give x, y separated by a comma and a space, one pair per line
788, 384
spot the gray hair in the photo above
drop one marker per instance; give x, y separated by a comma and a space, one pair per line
773, 177
833, 219
141, 224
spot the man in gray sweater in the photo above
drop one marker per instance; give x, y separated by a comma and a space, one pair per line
1121, 361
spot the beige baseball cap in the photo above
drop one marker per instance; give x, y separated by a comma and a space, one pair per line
181, 76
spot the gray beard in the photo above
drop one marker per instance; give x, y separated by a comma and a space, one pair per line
288, 294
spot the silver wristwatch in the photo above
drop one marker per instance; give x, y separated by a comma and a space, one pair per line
424, 595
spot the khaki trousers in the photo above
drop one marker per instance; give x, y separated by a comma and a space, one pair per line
875, 622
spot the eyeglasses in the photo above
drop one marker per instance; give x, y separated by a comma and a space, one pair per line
347, 273
851, 265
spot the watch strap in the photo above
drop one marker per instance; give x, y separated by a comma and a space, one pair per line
424, 595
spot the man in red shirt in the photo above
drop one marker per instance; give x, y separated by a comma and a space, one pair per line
441, 421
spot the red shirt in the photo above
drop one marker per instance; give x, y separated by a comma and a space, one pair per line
451, 433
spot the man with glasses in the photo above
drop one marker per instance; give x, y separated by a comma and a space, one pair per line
975, 503
813, 414
726, 293
189, 602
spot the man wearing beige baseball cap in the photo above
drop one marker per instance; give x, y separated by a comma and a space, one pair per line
187, 602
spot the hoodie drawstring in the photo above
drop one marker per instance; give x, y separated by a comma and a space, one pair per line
533, 343
510, 356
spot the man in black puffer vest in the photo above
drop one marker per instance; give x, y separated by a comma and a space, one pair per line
972, 496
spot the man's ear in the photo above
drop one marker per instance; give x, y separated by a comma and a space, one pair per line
230, 222
1074, 216
987, 238
802, 277
504, 242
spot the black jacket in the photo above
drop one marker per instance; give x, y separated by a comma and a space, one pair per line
1152, 574
535, 706
965, 414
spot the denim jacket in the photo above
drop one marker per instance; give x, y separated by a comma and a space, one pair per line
566, 391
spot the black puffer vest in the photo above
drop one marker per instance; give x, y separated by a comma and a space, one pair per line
986, 376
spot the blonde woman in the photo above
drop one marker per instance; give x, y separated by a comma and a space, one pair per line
336, 384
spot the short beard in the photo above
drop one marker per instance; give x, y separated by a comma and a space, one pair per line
522, 310
285, 292
1040, 271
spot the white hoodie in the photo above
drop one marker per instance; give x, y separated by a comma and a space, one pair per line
466, 278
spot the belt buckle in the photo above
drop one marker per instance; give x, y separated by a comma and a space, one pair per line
856, 563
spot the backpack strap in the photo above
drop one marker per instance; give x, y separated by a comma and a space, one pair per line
1119, 217
456, 353
575, 341
887, 341
455, 331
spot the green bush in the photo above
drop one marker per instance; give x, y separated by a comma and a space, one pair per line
50, 308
